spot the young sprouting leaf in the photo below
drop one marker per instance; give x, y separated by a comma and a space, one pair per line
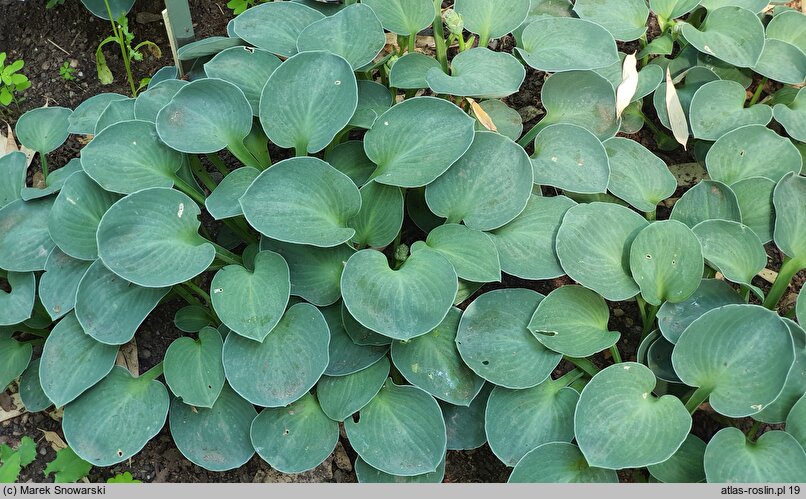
492, 19
733, 249
558, 462
381, 216
68, 467
623, 393
217, 438
15, 357
793, 116
471, 252
752, 151
408, 72
342, 396
403, 17
465, 424
795, 386
675, 112
494, 341
31, 393
570, 157
707, 200
193, 368
354, 33
85, 116
674, 318
192, 318
17, 305
43, 129
149, 102
718, 107
732, 34
685, 465
566, 44
789, 198
743, 353
25, 242
499, 118
479, 72
625, 19
625, 92
774, 457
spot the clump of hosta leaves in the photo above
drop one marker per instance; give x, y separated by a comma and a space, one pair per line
357, 281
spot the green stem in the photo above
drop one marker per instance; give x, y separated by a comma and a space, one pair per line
649, 320
226, 255
616, 354
568, 378
699, 396
757, 94
651, 215
439, 36
153, 373
781, 284
484, 40
185, 295
301, 150
240, 151
751, 434
199, 291
412, 43
201, 174
122, 43
240, 231
462, 43
43, 160
529, 136
583, 364
188, 190
216, 160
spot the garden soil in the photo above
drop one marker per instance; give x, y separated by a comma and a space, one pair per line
46, 39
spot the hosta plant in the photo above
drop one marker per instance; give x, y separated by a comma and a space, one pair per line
363, 273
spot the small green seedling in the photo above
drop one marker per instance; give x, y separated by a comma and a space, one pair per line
12, 461
66, 71
12, 82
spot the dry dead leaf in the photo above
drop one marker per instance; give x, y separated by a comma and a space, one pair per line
768, 275
18, 409
629, 84
482, 115
127, 357
677, 117
53, 438
7, 142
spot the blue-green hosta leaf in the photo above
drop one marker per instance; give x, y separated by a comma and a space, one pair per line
251, 302
315, 272
350, 159
693, 78
43, 129
13, 170
150, 238
751, 5
790, 219
381, 215
192, 318
116, 111
201, 50
374, 99
685, 466
507, 121
15, 357
72, 362
666, 261
296, 438
707, 200
622, 394
31, 394
465, 425
487, 187
774, 457
82, 120
637, 175
367, 474
625, 19
403, 17
517, 421
741, 353
494, 340
346, 357
401, 431
408, 72
403, 303
754, 195
581, 334
788, 26
795, 386
732, 248
565, 44
149, 103
303, 201
115, 419
796, 421
544, 8
570, 157
308, 100
801, 308
354, 33
472, 253
286, 365
558, 462
593, 246
275, 26
419, 212
193, 368
24, 239
407, 157
752, 151
215, 438
672, 9
18, 304
793, 116
492, 19
224, 201
342, 396
674, 318
782, 62
101, 9
205, 116
731, 34
247, 68
479, 72
718, 107
54, 183
580, 98
432, 363
360, 334
526, 244
109, 308
130, 156
59, 284
724, 70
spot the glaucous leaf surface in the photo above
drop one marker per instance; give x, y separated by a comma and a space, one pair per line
566, 44
732, 248
793, 116
637, 175
192, 318
790, 218
101, 9
367, 474
732, 34
625, 19
408, 72
718, 108
54, 183
685, 465
755, 198
360, 334
82, 120
674, 318
672, 9
403, 17
346, 357
782, 62
17, 304
354, 33
492, 19
479, 72
570, 157
246, 68
43, 129
558, 462
570, 96
31, 394
13, 172
507, 121
774, 457
349, 158
752, 151
471, 252
381, 216
796, 422
465, 425
707, 200
342, 396
692, 79
374, 99
116, 111
25, 242
752, 5
193, 368
795, 386
224, 201
149, 102
275, 26
15, 356
59, 284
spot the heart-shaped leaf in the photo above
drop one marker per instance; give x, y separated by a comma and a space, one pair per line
465, 425
17, 305
116, 112
787, 26
479, 72
637, 175
752, 151
24, 239
43, 129
82, 120
623, 393
718, 107
403, 17
59, 284
251, 303
286, 365
193, 368
275, 26
215, 438
471, 252
342, 396
109, 308
732, 34
626, 20
346, 357
751, 5
149, 103
741, 354
526, 244
405, 156
403, 303
517, 421
707, 200
572, 158
15, 357
367, 474
582, 334
115, 419
401, 431
732, 248
593, 246
566, 44
224, 201
308, 100
408, 72
492, 19
31, 394
354, 33
558, 462
431, 362
507, 121
494, 341
685, 466
789, 198
774, 457
246, 68
674, 318
672, 9
381, 215
487, 188
150, 238
793, 116
755, 198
